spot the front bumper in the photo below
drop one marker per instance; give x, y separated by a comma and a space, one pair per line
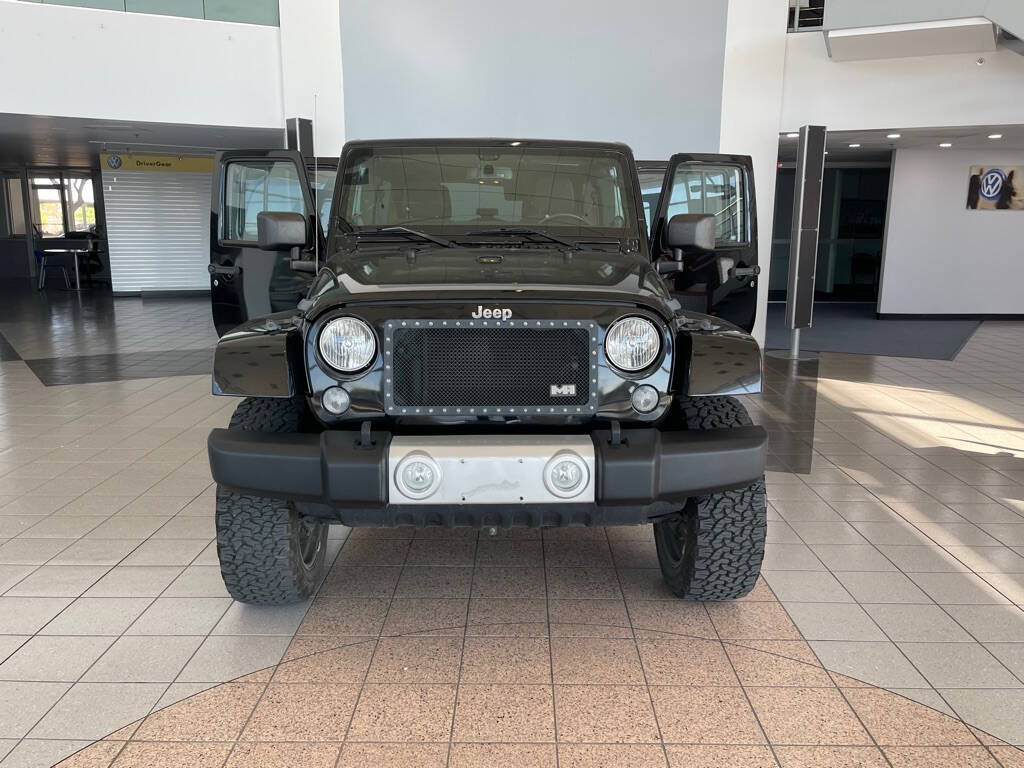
335, 475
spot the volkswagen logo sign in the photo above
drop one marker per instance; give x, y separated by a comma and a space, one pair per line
114, 161
992, 184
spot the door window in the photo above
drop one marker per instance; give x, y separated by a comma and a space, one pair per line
252, 186
711, 189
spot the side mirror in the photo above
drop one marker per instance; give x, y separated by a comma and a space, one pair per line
281, 231
690, 233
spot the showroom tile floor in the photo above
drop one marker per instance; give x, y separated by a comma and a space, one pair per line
896, 562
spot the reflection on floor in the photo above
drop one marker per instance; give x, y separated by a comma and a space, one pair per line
896, 559
853, 329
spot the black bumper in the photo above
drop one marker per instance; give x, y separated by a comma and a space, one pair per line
334, 475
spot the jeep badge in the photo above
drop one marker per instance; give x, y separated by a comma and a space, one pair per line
497, 313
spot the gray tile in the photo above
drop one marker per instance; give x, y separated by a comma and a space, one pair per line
1010, 534
927, 696
891, 533
180, 616
790, 557
6, 745
165, 552
93, 710
806, 587
95, 552
1009, 584
1011, 655
22, 704
58, 581
134, 581
37, 753
989, 559
10, 643
12, 574
53, 659
27, 551
26, 615
930, 559
816, 532
991, 623
958, 588
881, 587
997, 712
852, 557
188, 528
957, 534
917, 623
57, 527
14, 525
225, 657
877, 663
958, 665
243, 619
198, 581
833, 621
178, 691
143, 660
127, 527
97, 616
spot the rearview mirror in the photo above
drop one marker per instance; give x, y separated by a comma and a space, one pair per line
690, 233
281, 231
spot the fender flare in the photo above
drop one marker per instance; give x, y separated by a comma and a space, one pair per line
721, 361
258, 358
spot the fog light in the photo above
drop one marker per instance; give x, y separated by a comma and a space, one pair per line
644, 398
336, 400
566, 475
417, 475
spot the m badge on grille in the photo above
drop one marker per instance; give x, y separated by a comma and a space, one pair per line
563, 390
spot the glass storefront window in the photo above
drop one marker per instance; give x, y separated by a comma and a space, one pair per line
15, 207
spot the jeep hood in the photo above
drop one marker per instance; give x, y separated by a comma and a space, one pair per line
486, 273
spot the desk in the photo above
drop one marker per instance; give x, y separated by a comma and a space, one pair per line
76, 253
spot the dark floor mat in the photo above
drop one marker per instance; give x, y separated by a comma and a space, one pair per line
853, 329
90, 369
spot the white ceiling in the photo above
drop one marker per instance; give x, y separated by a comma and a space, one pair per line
70, 141
875, 146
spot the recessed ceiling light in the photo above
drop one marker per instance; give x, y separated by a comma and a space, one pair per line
995, 135
792, 135
854, 146
894, 135
945, 145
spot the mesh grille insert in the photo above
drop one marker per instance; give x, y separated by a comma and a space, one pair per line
476, 367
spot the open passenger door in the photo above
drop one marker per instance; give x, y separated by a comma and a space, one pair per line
245, 281
720, 282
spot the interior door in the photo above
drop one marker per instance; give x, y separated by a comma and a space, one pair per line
246, 282
722, 283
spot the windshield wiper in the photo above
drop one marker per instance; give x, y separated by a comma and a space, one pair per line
527, 231
400, 230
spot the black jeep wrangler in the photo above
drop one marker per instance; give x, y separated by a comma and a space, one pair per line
485, 333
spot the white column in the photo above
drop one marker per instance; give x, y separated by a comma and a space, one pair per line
752, 88
311, 66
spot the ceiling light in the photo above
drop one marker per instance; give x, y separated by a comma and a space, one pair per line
894, 135
995, 135
945, 145
854, 146
792, 135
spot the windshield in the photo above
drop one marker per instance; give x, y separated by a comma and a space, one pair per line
571, 191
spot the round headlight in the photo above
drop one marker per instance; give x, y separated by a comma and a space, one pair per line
347, 344
632, 343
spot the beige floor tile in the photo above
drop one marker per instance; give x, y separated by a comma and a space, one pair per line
416, 660
715, 756
142, 754
344, 616
325, 659
752, 621
692, 715
830, 757
426, 616
392, 756
403, 713
434, 581
605, 713
759, 668
678, 661
812, 716
894, 720
506, 660
492, 755
601, 755
302, 712
590, 660
284, 755
508, 617
214, 715
508, 582
657, 618
589, 618
951, 757
361, 581
504, 713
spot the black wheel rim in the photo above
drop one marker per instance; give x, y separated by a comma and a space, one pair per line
310, 541
674, 539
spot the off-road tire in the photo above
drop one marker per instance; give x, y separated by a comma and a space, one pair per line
713, 550
269, 554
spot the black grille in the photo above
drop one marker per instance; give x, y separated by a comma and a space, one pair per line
476, 367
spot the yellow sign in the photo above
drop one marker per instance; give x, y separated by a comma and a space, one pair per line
114, 161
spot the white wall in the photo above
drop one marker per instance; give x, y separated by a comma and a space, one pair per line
921, 91
752, 86
647, 73
941, 258
311, 66
77, 62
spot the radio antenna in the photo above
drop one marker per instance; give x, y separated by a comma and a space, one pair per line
316, 192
